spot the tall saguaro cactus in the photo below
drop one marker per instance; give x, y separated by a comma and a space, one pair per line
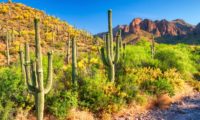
36, 73
74, 60
110, 59
8, 47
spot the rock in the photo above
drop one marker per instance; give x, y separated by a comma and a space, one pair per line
197, 29
160, 28
148, 25
134, 26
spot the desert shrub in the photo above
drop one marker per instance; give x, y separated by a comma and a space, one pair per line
127, 85
136, 56
157, 87
175, 78
99, 95
13, 93
60, 102
171, 57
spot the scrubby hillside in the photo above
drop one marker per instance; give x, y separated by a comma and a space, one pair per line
17, 19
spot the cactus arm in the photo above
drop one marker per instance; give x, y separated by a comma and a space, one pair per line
50, 70
27, 70
31, 88
33, 74
103, 57
117, 49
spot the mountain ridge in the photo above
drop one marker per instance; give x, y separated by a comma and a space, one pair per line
161, 29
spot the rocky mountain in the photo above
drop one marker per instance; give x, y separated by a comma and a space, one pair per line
163, 30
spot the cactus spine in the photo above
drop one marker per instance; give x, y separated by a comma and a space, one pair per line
37, 87
152, 48
111, 60
8, 47
74, 60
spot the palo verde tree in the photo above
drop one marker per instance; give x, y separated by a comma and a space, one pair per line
110, 59
34, 71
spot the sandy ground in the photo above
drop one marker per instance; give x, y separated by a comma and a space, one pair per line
187, 108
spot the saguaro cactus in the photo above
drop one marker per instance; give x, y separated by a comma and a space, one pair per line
8, 47
37, 87
9, 1
12, 35
68, 51
74, 60
111, 60
21, 57
152, 47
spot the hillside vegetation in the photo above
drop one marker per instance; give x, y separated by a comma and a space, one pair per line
17, 19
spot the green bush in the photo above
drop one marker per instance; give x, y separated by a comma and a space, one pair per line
59, 103
171, 57
157, 87
13, 93
127, 85
136, 56
99, 95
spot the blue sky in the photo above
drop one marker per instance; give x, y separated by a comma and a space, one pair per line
92, 14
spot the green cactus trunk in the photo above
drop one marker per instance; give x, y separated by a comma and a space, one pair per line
53, 37
74, 60
8, 48
152, 48
12, 35
68, 51
109, 59
37, 87
21, 57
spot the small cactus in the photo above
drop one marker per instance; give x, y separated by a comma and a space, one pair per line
36, 87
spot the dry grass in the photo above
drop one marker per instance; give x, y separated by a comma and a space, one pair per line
75, 114
163, 101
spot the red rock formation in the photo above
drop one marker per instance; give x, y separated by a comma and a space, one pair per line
160, 28
134, 26
148, 25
